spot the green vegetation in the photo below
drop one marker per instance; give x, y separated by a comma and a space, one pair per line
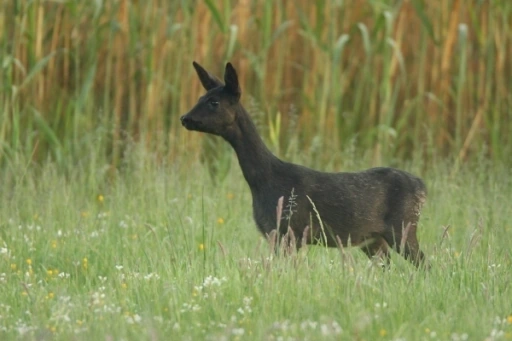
117, 222
158, 255
394, 79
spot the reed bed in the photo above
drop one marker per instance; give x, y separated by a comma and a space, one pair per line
400, 80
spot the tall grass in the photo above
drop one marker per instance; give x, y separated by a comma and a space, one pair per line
406, 79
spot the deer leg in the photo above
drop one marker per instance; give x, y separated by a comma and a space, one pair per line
285, 243
377, 247
405, 242
411, 247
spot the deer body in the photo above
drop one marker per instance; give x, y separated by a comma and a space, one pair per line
376, 208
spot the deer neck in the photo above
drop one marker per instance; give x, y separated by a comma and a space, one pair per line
256, 160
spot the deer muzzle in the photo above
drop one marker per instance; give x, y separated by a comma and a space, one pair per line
189, 122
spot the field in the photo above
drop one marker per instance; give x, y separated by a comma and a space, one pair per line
158, 255
118, 224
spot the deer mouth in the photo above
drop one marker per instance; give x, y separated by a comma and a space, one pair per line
190, 123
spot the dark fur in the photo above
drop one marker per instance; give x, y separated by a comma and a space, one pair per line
372, 208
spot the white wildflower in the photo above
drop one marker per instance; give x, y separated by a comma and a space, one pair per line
102, 215
151, 275
383, 305
336, 328
247, 301
213, 281
190, 307
308, 324
238, 331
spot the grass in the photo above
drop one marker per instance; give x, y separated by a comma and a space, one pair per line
154, 254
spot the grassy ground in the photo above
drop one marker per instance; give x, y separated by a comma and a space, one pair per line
163, 253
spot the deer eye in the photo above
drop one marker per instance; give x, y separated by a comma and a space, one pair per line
213, 103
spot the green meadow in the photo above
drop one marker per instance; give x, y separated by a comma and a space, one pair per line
164, 253
118, 224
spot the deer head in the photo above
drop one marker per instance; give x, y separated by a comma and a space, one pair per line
215, 112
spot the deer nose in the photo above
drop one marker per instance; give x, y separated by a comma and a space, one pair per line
187, 121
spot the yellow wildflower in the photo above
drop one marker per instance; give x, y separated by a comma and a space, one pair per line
124, 285
230, 196
509, 319
13, 267
100, 198
201, 246
220, 220
29, 261
383, 332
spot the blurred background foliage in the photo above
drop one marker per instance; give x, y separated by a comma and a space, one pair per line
393, 80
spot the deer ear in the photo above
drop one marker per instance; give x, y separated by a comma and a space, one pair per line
231, 80
209, 82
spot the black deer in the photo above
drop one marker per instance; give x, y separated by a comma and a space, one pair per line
374, 209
